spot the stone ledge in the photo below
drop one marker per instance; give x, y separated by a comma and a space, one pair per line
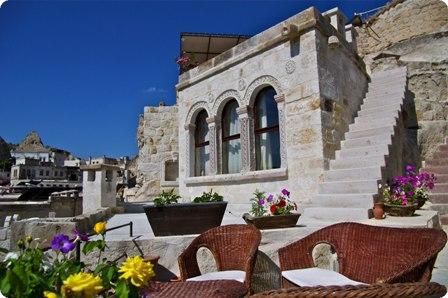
276, 174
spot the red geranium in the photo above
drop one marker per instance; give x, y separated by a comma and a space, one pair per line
273, 209
282, 203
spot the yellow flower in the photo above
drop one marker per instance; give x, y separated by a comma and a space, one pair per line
48, 294
137, 270
100, 227
29, 239
82, 284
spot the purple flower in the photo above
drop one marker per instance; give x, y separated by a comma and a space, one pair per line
81, 236
62, 242
410, 169
285, 192
270, 198
261, 202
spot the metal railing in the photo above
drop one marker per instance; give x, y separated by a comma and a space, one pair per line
78, 244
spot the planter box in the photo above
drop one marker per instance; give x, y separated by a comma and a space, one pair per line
272, 222
396, 210
185, 219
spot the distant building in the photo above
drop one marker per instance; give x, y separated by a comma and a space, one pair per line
41, 166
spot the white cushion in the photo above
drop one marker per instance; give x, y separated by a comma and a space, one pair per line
229, 274
311, 277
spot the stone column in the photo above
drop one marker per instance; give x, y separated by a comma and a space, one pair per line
189, 149
213, 133
280, 99
245, 139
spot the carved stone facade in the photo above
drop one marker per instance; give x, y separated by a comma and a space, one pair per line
286, 58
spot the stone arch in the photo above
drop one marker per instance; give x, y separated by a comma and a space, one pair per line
223, 98
194, 110
258, 84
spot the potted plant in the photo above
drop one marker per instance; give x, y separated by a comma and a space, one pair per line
407, 193
272, 212
167, 217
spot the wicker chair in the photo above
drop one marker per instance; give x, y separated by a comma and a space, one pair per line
398, 290
234, 247
371, 254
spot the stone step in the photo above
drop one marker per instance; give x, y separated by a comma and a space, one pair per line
440, 188
352, 174
370, 103
344, 187
443, 148
355, 134
367, 141
380, 110
371, 123
442, 178
438, 198
387, 93
437, 162
443, 219
390, 118
346, 200
332, 215
362, 151
373, 117
387, 74
389, 79
436, 169
357, 162
441, 208
440, 155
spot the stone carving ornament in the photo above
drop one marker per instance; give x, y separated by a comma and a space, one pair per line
224, 96
241, 85
290, 66
261, 81
195, 108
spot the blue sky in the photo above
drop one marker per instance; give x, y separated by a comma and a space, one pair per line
80, 72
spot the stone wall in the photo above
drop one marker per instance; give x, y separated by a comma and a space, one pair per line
158, 151
343, 85
402, 20
418, 39
46, 228
61, 206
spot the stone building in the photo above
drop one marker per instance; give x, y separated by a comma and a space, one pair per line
296, 106
99, 186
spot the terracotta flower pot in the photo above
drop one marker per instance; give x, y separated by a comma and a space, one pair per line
397, 210
378, 210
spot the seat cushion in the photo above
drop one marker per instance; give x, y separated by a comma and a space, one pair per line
229, 274
311, 277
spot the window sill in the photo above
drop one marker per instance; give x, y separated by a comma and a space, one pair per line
264, 175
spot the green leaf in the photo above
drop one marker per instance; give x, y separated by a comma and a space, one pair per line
122, 289
89, 246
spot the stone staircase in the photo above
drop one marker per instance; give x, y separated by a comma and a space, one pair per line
350, 185
439, 195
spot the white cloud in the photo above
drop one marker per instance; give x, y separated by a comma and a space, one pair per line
153, 89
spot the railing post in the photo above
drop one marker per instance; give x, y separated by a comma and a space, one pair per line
131, 232
78, 251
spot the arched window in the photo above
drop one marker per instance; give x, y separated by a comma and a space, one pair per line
202, 148
231, 144
267, 136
